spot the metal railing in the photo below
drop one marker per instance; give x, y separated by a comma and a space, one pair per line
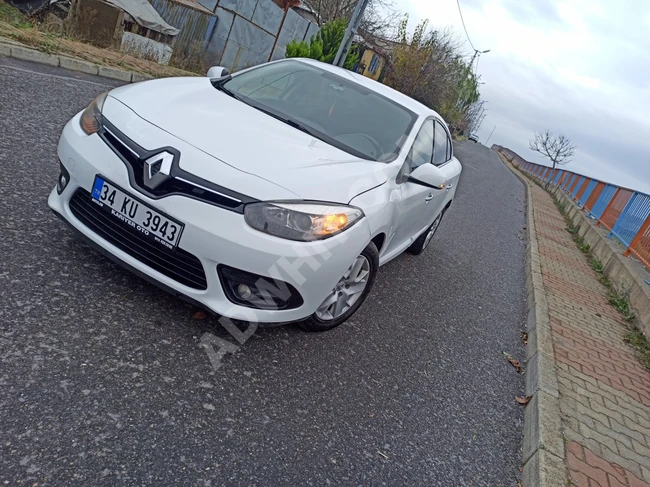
622, 211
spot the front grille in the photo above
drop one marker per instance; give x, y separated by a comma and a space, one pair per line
181, 182
178, 264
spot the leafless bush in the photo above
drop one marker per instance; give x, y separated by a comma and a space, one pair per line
192, 58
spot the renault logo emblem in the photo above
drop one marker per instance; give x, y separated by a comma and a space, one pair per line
157, 169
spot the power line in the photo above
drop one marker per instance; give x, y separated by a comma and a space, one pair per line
463, 21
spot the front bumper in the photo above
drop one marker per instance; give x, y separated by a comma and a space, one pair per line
212, 234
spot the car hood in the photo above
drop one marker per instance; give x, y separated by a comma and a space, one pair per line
249, 140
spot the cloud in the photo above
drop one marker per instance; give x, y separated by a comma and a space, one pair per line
581, 67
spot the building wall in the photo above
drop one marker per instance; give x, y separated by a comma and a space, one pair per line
146, 48
102, 22
367, 63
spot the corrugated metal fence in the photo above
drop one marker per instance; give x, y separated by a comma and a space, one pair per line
196, 23
623, 211
235, 34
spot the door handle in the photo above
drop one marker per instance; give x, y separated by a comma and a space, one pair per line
429, 198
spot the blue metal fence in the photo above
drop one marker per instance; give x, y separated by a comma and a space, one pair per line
625, 211
603, 200
590, 187
578, 186
635, 213
571, 179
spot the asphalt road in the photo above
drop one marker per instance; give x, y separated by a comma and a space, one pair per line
103, 379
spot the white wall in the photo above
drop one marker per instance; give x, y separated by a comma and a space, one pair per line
146, 48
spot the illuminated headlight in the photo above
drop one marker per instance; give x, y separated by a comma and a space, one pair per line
301, 221
91, 118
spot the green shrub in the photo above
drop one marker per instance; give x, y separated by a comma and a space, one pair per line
324, 45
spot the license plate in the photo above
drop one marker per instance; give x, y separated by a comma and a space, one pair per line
139, 216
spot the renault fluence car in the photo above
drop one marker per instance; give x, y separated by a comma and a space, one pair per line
273, 195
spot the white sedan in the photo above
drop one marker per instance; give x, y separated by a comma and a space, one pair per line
270, 196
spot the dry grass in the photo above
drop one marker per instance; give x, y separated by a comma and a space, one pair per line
48, 38
193, 58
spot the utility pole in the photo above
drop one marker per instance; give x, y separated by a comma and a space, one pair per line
350, 32
488, 139
477, 54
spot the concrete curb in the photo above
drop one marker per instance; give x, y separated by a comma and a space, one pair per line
618, 269
71, 63
543, 456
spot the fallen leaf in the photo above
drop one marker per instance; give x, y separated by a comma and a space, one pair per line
515, 363
199, 315
523, 400
524, 337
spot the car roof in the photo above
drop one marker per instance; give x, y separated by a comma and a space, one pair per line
382, 89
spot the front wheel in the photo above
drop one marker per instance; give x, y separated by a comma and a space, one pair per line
423, 240
349, 293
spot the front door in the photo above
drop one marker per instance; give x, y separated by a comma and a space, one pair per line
413, 198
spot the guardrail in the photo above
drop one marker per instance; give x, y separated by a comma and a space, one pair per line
622, 211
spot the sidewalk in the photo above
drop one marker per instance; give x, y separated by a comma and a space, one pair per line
604, 392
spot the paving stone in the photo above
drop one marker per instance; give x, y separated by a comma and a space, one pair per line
604, 393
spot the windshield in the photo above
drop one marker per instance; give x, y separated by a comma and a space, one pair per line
330, 107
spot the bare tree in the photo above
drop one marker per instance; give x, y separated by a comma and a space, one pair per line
380, 18
559, 149
428, 65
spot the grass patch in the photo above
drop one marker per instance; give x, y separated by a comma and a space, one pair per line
50, 37
622, 305
639, 341
13, 17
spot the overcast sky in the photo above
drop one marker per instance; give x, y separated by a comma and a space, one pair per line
581, 67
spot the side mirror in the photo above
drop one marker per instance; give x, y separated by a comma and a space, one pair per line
428, 175
217, 72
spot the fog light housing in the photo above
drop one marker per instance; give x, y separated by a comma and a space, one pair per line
64, 179
259, 292
244, 291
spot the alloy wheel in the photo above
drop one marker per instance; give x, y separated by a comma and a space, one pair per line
432, 231
346, 292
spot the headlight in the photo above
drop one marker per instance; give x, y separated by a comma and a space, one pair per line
91, 118
301, 221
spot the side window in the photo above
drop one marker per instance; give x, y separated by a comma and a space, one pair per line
422, 150
441, 146
373, 64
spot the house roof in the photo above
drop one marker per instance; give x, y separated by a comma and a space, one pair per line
145, 15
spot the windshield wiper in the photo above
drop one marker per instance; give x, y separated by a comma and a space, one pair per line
219, 84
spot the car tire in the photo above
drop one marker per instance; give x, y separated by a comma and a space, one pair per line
316, 322
423, 240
